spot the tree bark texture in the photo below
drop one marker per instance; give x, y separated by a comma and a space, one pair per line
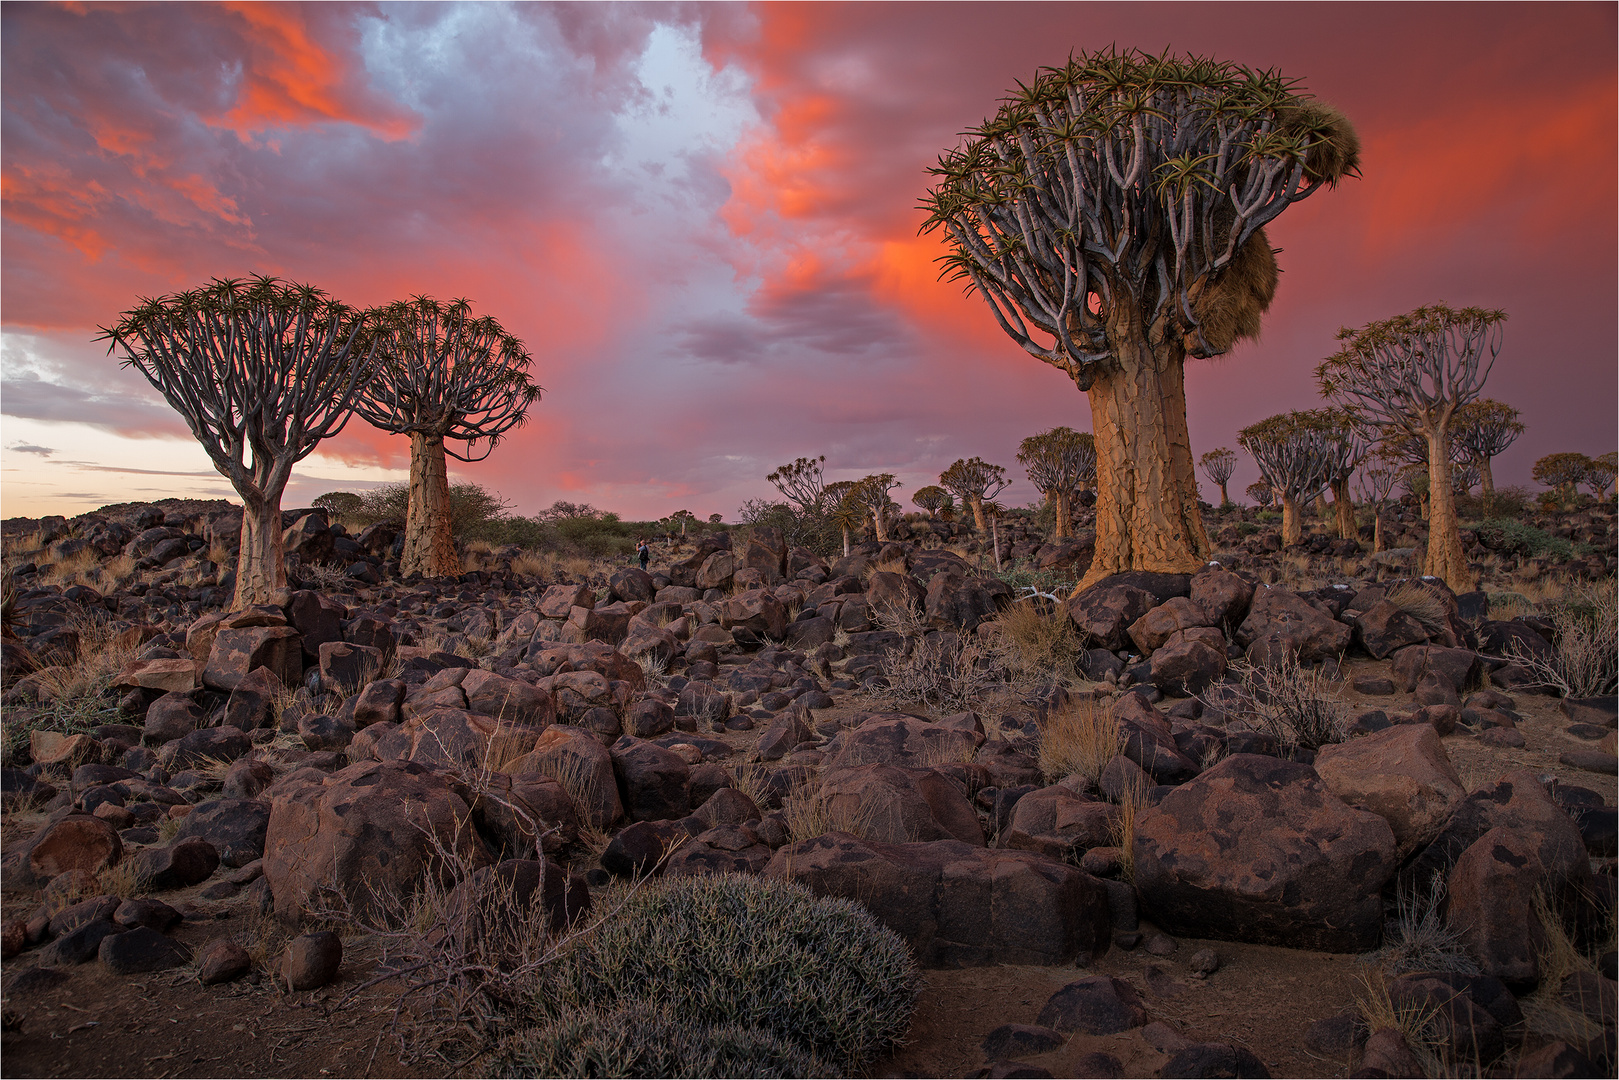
1377, 527
1063, 531
879, 527
1486, 479
1146, 508
1292, 522
1225, 500
1446, 560
1347, 530
261, 568
978, 513
428, 547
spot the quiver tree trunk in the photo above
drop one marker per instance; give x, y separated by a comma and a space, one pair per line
261, 570
1225, 500
1292, 523
1446, 560
978, 513
429, 549
1146, 503
1377, 527
1486, 479
1347, 529
1062, 531
879, 527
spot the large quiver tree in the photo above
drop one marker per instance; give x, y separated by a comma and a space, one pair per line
262, 370
1412, 373
1058, 462
1112, 216
443, 375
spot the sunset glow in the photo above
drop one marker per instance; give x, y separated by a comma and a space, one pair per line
702, 223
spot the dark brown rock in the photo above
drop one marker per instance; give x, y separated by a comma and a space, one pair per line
311, 961
1095, 1005
222, 961
236, 652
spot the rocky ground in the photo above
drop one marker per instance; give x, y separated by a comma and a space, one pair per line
1209, 892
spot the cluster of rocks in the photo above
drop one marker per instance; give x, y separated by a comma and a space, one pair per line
314, 753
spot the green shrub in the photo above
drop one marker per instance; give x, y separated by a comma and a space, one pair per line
1509, 537
638, 1038
1268, 517
760, 954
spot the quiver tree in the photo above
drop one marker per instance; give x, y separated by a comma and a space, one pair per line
1563, 473
972, 480
1218, 465
1346, 451
1483, 430
262, 370
1296, 453
1413, 372
870, 494
1058, 462
683, 518
1260, 492
801, 482
1599, 476
1378, 475
442, 375
931, 498
1112, 215
843, 509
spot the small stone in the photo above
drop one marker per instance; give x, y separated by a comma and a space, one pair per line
312, 960
1163, 1038
79, 946
145, 912
1126, 939
1214, 1059
1096, 1005
1204, 962
1161, 945
221, 961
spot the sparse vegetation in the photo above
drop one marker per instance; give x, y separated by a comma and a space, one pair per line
1079, 739
1289, 702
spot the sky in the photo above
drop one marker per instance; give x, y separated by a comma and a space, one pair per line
701, 221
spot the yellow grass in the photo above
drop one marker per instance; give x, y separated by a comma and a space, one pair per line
1079, 739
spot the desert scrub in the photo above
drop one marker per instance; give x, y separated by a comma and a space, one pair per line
1507, 536
1037, 646
638, 1038
764, 955
1418, 938
1291, 703
1078, 739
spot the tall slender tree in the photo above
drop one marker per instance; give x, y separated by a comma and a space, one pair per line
972, 480
1112, 216
871, 494
1295, 452
1378, 475
843, 508
1413, 372
262, 370
443, 374
1484, 430
1058, 462
1218, 465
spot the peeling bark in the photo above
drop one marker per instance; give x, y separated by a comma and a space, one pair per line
978, 514
1147, 515
1063, 531
1292, 522
1445, 560
261, 569
429, 549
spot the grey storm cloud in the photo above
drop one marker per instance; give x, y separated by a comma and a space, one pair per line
27, 396
24, 448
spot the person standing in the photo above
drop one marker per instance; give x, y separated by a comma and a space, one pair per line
643, 552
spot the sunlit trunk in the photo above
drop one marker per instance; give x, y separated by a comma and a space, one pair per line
428, 547
1225, 500
1377, 527
1446, 560
1146, 508
1292, 526
261, 568
879, 527
1063, 531
846, 541
978, 513
1345, 507
1486, 479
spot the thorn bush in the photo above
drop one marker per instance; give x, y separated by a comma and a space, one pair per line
766, 956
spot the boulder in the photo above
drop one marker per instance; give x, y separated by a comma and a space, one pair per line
654, 783
1060, 824
202, 746
1454, 669
141, 950
317, 619
1258, 849
170, 717
237, 651
1401, 774
631, 583
1383, 628
955, 601
559, 600
900, 805
348, 665
1189, 661
582, 765
1281, 623
901, 739
368, 831
235, 828
1224, 596
716, 571
1156, 627
378, 703
511, 700
252, 704
1104, 613
958, 905
76, 842
516, 813
186, 862
311, 961
1095, 1005
755, 613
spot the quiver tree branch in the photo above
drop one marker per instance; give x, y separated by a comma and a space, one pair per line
1483, 430
1059, 462
442, 375
1112, 215
262, 370
973, 480
1218, 465
802, 482
1412, 373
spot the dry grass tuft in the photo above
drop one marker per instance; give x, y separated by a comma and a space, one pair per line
1038, 646
541, 564
1421, 604
1293, 704
809, 814
1415, 1022
1124, 830
1079, 739
1419, 938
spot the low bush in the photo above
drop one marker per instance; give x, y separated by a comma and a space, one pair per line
638, 1038
1585, 659
1078, 739
1508, 536
1038, 645
1289, 702
766, 956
